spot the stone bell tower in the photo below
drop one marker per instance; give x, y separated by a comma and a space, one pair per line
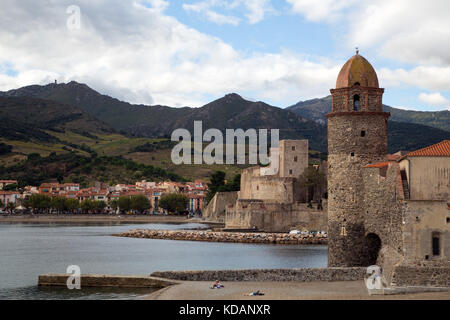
357, 136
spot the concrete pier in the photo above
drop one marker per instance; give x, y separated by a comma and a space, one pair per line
97, 280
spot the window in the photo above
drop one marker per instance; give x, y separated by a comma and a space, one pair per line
436, 244
356, 103
352, 154
356, 84
448, 220
290, 171
295, 159
293, 148
363, 133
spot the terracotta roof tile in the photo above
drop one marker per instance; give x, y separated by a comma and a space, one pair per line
378, 165
441, 149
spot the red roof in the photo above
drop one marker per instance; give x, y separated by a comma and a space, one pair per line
441, 149
378, 165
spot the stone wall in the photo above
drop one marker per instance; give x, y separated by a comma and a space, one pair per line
293, 158
275, 217
421, 276
422, 220
428, 177
271, 188
215, 210
96, 280
355, 139
304, 275
215, 236
382, 208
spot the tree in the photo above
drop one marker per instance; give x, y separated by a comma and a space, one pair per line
314, 183
217, 184
59, 204
10, 206
140, 203
99, 205
72, 204
87, 205
125, 203
174, 202
38, 201
10, 187
217, 180
114, 204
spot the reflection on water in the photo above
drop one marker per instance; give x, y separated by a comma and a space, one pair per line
28, 250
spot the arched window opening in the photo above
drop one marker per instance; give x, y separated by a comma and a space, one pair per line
356, 103
357, 84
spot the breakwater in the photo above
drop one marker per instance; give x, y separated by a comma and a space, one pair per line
217, 236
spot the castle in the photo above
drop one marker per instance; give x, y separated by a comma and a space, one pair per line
390, 210
269, 200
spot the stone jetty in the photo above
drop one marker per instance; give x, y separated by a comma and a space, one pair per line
216, 236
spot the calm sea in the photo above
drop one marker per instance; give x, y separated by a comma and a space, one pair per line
27, 250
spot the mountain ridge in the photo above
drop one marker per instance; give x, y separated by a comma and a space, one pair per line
305, 120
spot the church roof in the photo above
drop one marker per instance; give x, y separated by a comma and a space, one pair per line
441, 149
357, 70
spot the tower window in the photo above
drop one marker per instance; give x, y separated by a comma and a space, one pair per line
356, 84
352, 154
436, 244
290, 171
295, 159
293, 148
356, 103
363, 133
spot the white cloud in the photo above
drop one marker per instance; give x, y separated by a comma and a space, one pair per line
213, 16
139, 54
158, 5
255, 10
434, 99
319, 10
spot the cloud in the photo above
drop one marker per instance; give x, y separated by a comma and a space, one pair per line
434, 99
135, 52
320, 10
204, 8
255, 10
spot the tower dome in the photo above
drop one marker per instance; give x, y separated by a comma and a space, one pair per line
357, 70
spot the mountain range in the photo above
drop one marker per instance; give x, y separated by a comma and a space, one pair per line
77, 107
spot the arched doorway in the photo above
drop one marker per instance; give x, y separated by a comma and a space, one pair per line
373, 246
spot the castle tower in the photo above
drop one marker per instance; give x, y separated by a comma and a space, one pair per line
357, 136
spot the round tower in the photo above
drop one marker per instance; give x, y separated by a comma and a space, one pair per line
357, 136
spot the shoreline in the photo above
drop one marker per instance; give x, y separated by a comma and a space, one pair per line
100, 219
221, 236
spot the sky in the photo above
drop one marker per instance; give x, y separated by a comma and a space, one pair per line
191, 52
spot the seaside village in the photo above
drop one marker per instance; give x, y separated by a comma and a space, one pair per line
153, 191
377, 208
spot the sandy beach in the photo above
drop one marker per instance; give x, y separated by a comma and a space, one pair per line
338, 290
